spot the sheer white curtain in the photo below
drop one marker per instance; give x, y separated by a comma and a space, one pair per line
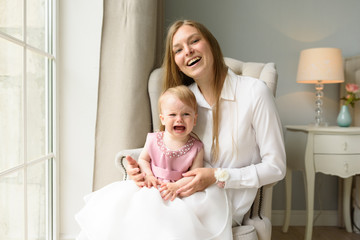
130, 49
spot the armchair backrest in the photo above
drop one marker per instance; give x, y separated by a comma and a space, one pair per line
352, 75
263, 71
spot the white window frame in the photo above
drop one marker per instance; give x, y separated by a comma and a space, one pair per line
51, 159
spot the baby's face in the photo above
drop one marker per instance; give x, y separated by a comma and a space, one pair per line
177, 117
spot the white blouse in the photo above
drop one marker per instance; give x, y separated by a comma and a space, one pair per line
251, 145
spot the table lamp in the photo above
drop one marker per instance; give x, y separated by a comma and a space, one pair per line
320, 66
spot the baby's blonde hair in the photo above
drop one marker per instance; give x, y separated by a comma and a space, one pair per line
183, 93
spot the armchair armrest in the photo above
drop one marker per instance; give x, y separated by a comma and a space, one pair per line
267, 200
120, 161
259, 215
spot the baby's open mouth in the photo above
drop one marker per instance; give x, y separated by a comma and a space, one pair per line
193, 61
179, 128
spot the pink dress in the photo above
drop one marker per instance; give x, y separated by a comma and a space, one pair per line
123, 211
168, 165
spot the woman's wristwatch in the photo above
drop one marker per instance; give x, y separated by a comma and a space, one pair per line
221, 176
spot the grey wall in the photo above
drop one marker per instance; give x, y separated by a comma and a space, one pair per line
276, 31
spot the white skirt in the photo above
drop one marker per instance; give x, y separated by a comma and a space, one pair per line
123, 211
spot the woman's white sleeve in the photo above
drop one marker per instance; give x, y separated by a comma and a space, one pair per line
269, 138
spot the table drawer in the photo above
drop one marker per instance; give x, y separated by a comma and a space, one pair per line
340, 165
349, 144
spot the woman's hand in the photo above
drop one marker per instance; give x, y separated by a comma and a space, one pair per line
202, 178
134, 172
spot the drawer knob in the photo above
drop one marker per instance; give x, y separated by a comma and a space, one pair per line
345, 146
346, 167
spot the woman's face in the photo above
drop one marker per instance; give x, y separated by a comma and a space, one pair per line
192, 53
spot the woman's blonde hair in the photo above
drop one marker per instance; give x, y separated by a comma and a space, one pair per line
174, 77
183, 93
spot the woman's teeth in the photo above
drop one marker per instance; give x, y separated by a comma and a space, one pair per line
193, 61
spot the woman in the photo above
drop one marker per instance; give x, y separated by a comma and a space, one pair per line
237, 120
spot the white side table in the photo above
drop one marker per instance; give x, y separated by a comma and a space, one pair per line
330, 150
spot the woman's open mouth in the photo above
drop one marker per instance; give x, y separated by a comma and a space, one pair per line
193, 61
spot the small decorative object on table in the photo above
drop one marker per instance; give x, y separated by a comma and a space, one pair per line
344, 117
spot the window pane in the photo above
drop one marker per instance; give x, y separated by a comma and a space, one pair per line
12, 206
36, 122
26, 120
36, 189
36, 23
11, 107
11, 18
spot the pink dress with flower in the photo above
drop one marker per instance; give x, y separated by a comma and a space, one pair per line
123, 211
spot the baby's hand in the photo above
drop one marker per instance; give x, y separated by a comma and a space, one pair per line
151, 181
168, 190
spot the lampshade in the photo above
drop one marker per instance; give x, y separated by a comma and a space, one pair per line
320, 65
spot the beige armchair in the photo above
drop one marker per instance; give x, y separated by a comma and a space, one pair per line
352, 75
259, 217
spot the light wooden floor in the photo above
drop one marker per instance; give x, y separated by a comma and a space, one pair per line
319, 233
